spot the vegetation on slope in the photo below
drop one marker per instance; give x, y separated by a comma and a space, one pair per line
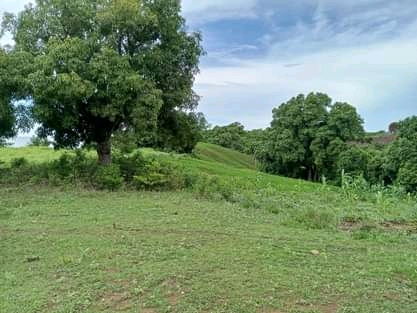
225, 156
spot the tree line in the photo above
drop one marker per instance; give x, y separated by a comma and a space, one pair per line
312, 138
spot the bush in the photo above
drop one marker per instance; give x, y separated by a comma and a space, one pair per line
211, 186
317, 219
407, 176
108, 177
19, 163
130, 165
36, 141
159, 174
73, 168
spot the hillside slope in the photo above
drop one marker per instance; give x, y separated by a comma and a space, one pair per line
215, 153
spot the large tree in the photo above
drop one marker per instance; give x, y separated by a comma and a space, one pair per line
13, 116
101, 66
308, 133
401, 159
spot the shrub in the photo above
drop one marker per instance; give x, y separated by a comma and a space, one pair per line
19, 163
130, 165
313, 218
36, 141
62, 166
108, 177
76, 168
159, 174
407, 176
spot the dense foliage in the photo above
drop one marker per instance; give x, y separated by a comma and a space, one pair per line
98, 67
307, 135
312, 138
13, 116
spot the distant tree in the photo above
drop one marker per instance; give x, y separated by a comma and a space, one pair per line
353, 161
36, 141
402, 155
393, 127
307, 135
377, 171
100, 67
254, 141
13, 87
343, 124
229, 136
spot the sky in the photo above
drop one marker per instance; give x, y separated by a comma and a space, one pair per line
260, 53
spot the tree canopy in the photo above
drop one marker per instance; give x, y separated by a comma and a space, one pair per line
105, 66
12, 88
402, 154
308, 133
229, 136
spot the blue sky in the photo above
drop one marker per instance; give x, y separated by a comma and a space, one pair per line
260, 53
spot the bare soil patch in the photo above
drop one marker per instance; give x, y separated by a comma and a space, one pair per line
386, 226
117, 301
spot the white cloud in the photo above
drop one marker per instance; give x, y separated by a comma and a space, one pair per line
366, 56
201, 11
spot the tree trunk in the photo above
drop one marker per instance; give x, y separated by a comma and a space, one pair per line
310, 174
104, 152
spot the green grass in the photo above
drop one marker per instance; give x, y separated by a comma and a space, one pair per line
214, 153
32, 154
241, 241
203, 151
171, 252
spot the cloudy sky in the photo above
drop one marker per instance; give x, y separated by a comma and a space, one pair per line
260, 53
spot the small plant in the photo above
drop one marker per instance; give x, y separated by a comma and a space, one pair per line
130, 165
108, 177
159, 174
37, 141
355, 187
313, 218
18, 162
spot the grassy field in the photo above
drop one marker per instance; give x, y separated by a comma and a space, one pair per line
32, 154
276, 245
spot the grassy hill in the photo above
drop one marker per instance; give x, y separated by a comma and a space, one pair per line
238, 241
215, 153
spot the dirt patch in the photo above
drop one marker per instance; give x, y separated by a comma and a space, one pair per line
112, 270
386, 226
173, 291
269, 310
117, 301
392, 296
323, 308
394, 226
301, 305
349, 225
328, 308
173, 300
